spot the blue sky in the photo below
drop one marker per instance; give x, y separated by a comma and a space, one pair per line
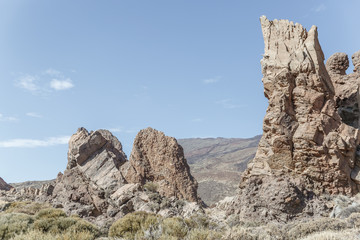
187, 68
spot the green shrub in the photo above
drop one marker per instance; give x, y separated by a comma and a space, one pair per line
30, 208
14, 223
334, 235
175, 227
203, 234
83, 226
200, 221
151, 186
55, 226
54, 221
36, 235
303, 229
134, 225
50, 213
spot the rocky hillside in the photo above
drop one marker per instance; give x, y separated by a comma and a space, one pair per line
217, 164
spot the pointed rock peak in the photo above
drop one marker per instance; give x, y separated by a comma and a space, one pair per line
302, 122
160, 159
4, 185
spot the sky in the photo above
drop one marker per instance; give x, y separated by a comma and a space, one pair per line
187, 68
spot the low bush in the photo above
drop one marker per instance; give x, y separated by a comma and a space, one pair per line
14, 223
203, 234
175, 227
30, 208
303, 229
151, 186
134, 225
37, 235
50, 213
334, 235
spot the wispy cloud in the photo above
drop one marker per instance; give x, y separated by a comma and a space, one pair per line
115, 130
28, 82
121, 130
33, 143
61, 84
34, 115
319, 8
4, 118
44, 82
227, 103
212, 80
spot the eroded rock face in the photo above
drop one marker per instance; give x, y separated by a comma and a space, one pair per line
160, 159
102, 186
303, 133
4, 185
98, 155
309, 140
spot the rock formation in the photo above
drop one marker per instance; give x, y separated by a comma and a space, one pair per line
4, 185
310, 136
160, 159
101, 185
92, 173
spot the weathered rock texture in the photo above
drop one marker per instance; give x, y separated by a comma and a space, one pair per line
102, 186
309, 139
303, 131
4, 185
160, 159
98, 155
92, 174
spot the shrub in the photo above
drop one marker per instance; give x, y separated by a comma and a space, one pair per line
134, 225
334, 235
50, 213
55, 226
30, 208
36, 235
165, 203
151, 186
319, 225
83, 226
199, 221
14, 223
203, 234
175, 227
54, 222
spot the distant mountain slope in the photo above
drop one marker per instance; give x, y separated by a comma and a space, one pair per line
217, 163
34, 184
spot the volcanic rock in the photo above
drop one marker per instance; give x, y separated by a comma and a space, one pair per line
160, 159
309, 144
98, 155
4, 185
102, 186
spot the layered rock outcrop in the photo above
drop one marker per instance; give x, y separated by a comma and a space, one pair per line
160, 159
4, 186
310, 140
100, 184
